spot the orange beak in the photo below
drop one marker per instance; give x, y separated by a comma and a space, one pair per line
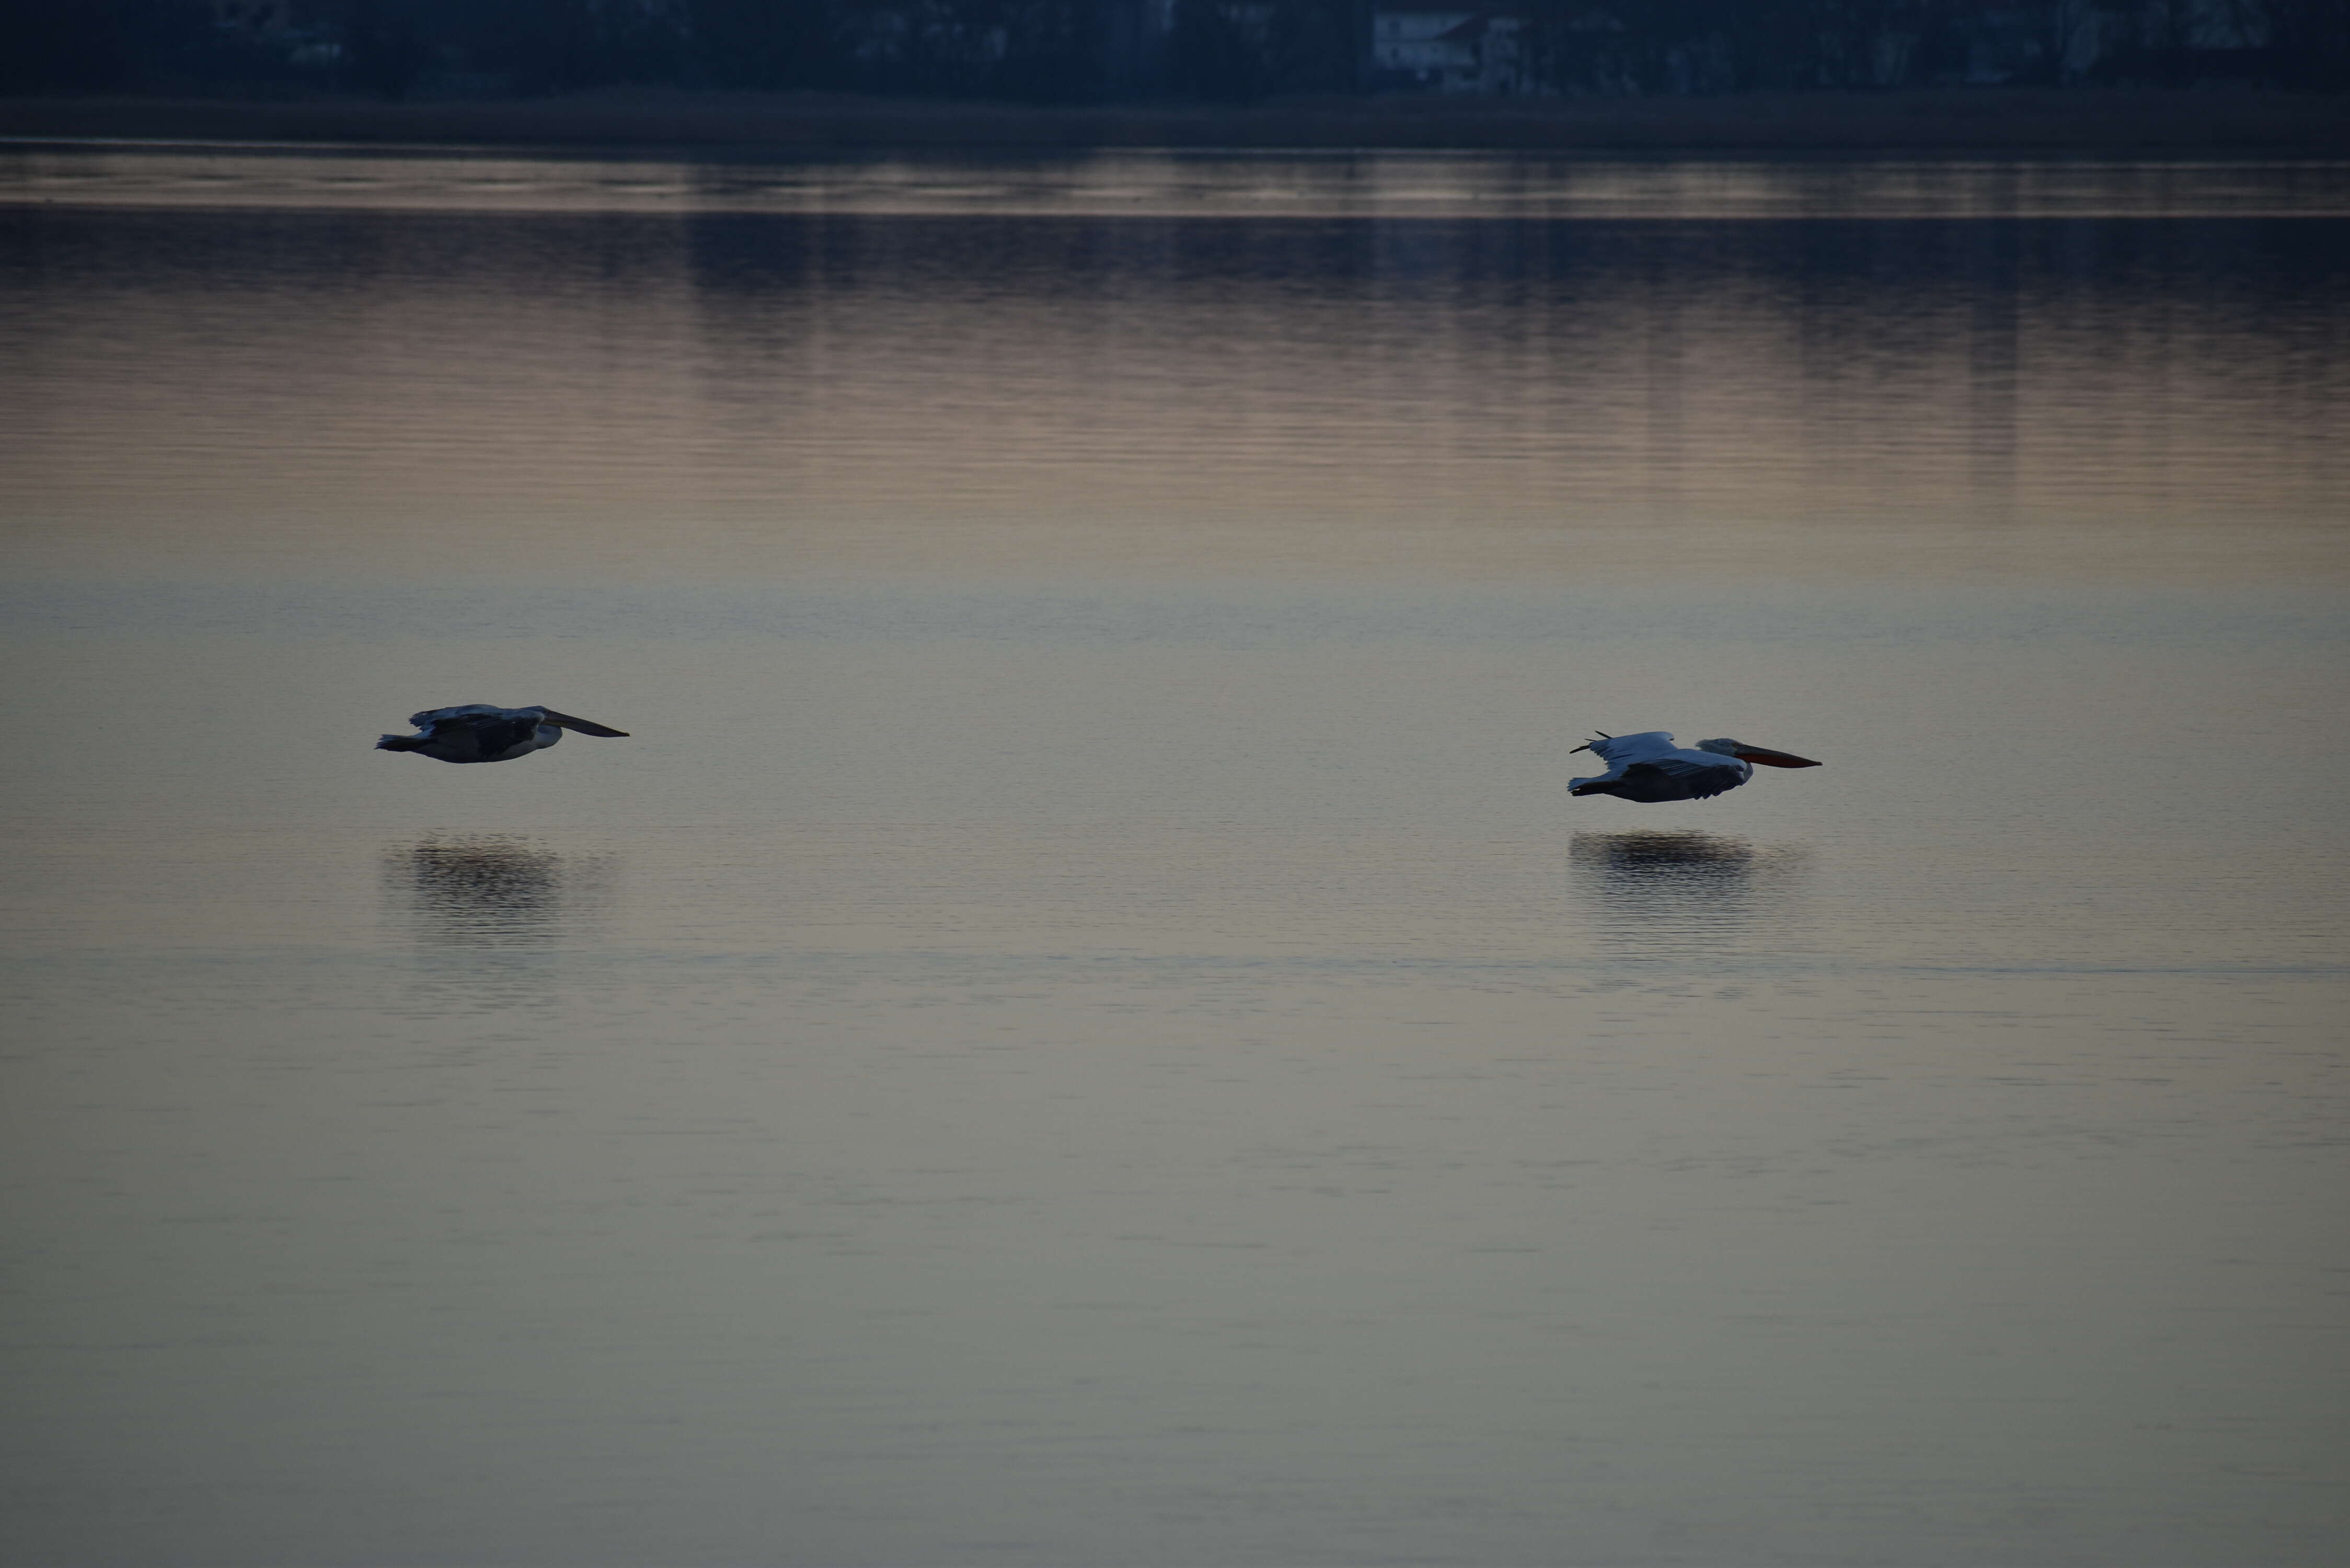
1775, 759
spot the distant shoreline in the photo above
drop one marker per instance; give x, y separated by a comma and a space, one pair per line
1942, 120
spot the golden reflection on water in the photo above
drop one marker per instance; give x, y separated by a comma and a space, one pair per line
1369, 182
699, 392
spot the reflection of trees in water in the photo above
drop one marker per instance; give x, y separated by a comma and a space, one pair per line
1673, 894
492, 892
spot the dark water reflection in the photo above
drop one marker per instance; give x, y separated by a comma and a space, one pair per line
493, 893
1684, 893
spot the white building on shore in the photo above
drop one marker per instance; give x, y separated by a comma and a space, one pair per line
1449, 51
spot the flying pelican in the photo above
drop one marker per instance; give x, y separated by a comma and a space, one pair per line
478, 733
1650, 768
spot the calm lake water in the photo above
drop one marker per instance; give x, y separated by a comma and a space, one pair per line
1083, 1026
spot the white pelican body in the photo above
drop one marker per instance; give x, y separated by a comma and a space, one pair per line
1649, 768
478, 733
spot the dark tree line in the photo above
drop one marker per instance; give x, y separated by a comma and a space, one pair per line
1723, 46
1084, 50
1043, 49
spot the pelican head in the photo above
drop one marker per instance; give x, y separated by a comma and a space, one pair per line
1763, 754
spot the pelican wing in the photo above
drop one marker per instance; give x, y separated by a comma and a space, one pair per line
1649, 767
1701, 780
475, 732
462, 714
498, 734
1621, 749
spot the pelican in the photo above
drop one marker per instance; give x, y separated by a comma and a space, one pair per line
478, 733
1650, 768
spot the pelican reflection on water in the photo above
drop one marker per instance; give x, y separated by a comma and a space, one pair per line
492, 892
1676, 894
